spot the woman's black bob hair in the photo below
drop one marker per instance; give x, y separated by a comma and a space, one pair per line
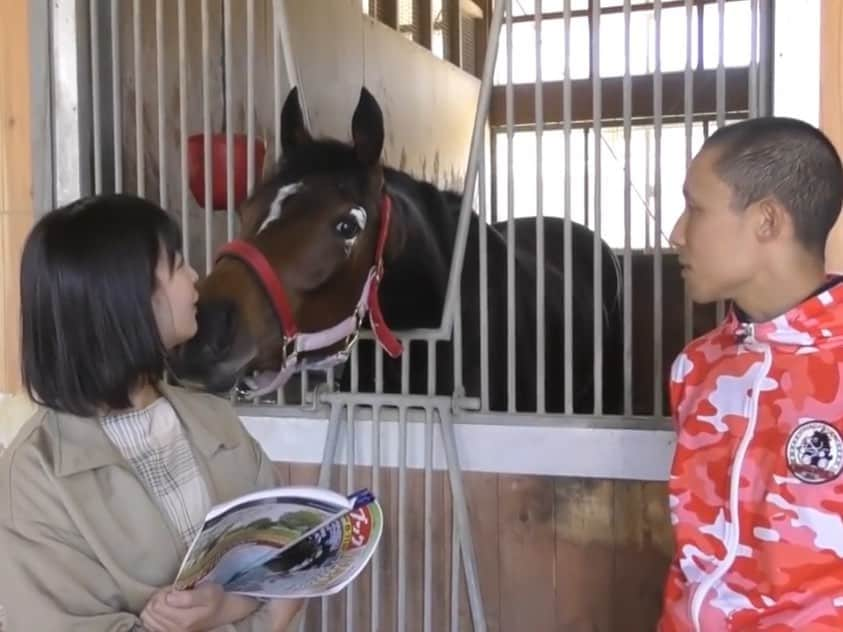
89, 334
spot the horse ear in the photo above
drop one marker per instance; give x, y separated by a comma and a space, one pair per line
293, 131
367, 128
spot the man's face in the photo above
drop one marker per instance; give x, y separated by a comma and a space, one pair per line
717, 244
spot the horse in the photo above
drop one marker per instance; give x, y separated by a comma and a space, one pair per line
333, 240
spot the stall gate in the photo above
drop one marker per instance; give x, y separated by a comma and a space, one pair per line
587, 113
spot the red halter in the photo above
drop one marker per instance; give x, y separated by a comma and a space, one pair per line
294, 341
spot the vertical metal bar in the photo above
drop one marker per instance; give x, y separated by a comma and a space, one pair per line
162, 131
250, 94
276, 77
95, 94
510, 226
721, 95
460, 509
116, 93
484, 290
540, 298
206, 120
456, 567
228, 54
477, 138
376, 488
568, 294
764, 62
657, 206
689, 139
185, 185
351, 459
753, 59
283, 26
402, 517
721, 68
597, 281
139, 138
627, 215
402, 489
428, 491
427, 599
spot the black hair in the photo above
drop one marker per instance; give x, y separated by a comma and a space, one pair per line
88, 330
789, 160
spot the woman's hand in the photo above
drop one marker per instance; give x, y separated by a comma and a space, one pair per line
197, 610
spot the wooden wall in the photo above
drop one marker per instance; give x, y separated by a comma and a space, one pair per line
16, 205
831, 103
553, 554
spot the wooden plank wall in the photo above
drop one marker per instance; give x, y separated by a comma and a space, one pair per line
553, 554
831, 103
16, 205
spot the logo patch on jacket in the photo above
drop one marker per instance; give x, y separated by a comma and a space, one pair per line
815, 452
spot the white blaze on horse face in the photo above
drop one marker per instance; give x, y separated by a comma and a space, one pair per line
361, 217
275, 208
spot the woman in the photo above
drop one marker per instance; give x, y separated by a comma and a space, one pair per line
103, 489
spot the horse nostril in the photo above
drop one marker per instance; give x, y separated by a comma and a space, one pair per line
217, 325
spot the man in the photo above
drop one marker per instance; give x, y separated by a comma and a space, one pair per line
757, 519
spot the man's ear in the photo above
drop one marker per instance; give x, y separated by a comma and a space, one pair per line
772, 219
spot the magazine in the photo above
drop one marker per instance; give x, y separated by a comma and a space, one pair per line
284, 542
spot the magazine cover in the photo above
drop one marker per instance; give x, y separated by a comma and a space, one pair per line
285, 542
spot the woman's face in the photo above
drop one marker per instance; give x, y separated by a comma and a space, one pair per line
174, 300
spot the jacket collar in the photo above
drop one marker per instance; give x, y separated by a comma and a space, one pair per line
818, 318
80, 444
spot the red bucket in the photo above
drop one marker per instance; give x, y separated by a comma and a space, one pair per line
196, 168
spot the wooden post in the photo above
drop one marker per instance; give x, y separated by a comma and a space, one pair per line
16, 200
831, 104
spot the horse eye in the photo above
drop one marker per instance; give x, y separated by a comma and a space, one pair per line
348, 228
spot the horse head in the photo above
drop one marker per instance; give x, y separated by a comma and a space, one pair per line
293, 289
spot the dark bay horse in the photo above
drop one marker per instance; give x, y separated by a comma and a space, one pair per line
332, 230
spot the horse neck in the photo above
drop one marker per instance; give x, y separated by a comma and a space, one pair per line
413, 291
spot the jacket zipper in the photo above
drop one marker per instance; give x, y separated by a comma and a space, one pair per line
733, 529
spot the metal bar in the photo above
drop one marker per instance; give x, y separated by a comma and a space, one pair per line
597, 281
355, 368
116, 93
250, 94
764, 62
540, 268
139, 135
627, 215
460, 509
455, 574
753, 59
477, 139
402, 518
657, 212
427, 597
351, 450
721, 68
206, 120
95, 94
276, 82
283, 26
482, 237
376, 488
228, 54
183, 126
568, 294
510, 225
689, 136
162, 135
721, 96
